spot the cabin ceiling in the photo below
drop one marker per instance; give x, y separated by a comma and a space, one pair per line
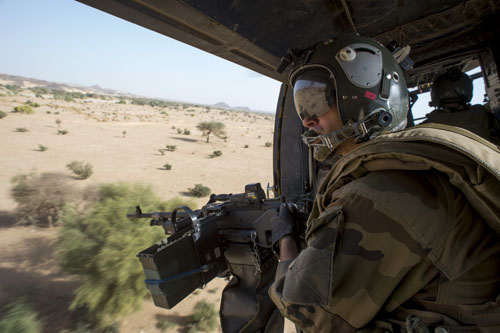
257, 33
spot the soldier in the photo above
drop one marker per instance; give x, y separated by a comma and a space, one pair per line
451, 93
400, 238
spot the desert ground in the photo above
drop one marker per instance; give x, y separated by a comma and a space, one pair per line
123, 143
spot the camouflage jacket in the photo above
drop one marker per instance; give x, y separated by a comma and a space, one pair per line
474, 118
393, 234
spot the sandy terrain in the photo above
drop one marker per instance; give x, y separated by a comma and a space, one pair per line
121, 141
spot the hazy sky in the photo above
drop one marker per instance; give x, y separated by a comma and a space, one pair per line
69, 42
66, 41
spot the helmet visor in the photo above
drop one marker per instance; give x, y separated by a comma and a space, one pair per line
313, 93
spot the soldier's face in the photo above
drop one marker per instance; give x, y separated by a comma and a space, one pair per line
325, 123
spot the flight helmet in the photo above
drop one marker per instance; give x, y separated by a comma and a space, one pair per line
453, 86
357, 75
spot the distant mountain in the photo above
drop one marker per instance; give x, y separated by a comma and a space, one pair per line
22, 81
224, 105
96, 89
242, 108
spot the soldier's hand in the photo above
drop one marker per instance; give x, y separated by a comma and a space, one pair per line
283, 224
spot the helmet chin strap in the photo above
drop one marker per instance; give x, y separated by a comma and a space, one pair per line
361, 130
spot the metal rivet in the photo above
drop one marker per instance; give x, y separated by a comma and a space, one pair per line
388, 76
396, 76
354, 97
344, 97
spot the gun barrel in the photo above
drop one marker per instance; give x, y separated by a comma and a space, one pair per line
157, 215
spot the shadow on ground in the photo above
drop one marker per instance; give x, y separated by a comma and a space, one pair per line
7, 219
182, 323
184, 139
50, 295
189, 195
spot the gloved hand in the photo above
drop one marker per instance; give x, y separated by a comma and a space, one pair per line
283, 224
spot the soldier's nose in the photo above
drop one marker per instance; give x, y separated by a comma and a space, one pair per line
309, 121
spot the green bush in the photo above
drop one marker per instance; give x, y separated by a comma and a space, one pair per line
26, 109
161, 151
150, 102
81, 169
15, 89
216, 153
124, 133
68, 96
246, 146
3, 114
268, 144
58, 122
38, 91
62, 132
199, 191
164, 324
42, 148
100, 246
171, 147
40, 198
121, 101
32, 104
205, 317
187, 132
179, 131
167, 166
20, 317
21, 129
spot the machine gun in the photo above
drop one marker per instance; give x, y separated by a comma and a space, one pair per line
229, 229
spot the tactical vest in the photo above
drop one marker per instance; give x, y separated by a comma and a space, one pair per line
471, 163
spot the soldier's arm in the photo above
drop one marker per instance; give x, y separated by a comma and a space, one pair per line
288, 248
356, 261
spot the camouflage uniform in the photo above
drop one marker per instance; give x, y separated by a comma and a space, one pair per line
473, 118
245, 304
325, 159
390, 237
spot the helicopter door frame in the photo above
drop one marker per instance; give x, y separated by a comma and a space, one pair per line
291, 157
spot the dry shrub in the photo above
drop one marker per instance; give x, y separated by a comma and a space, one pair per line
199, 191
26, 109
205, 317
80, 169
216, 153
40, 197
